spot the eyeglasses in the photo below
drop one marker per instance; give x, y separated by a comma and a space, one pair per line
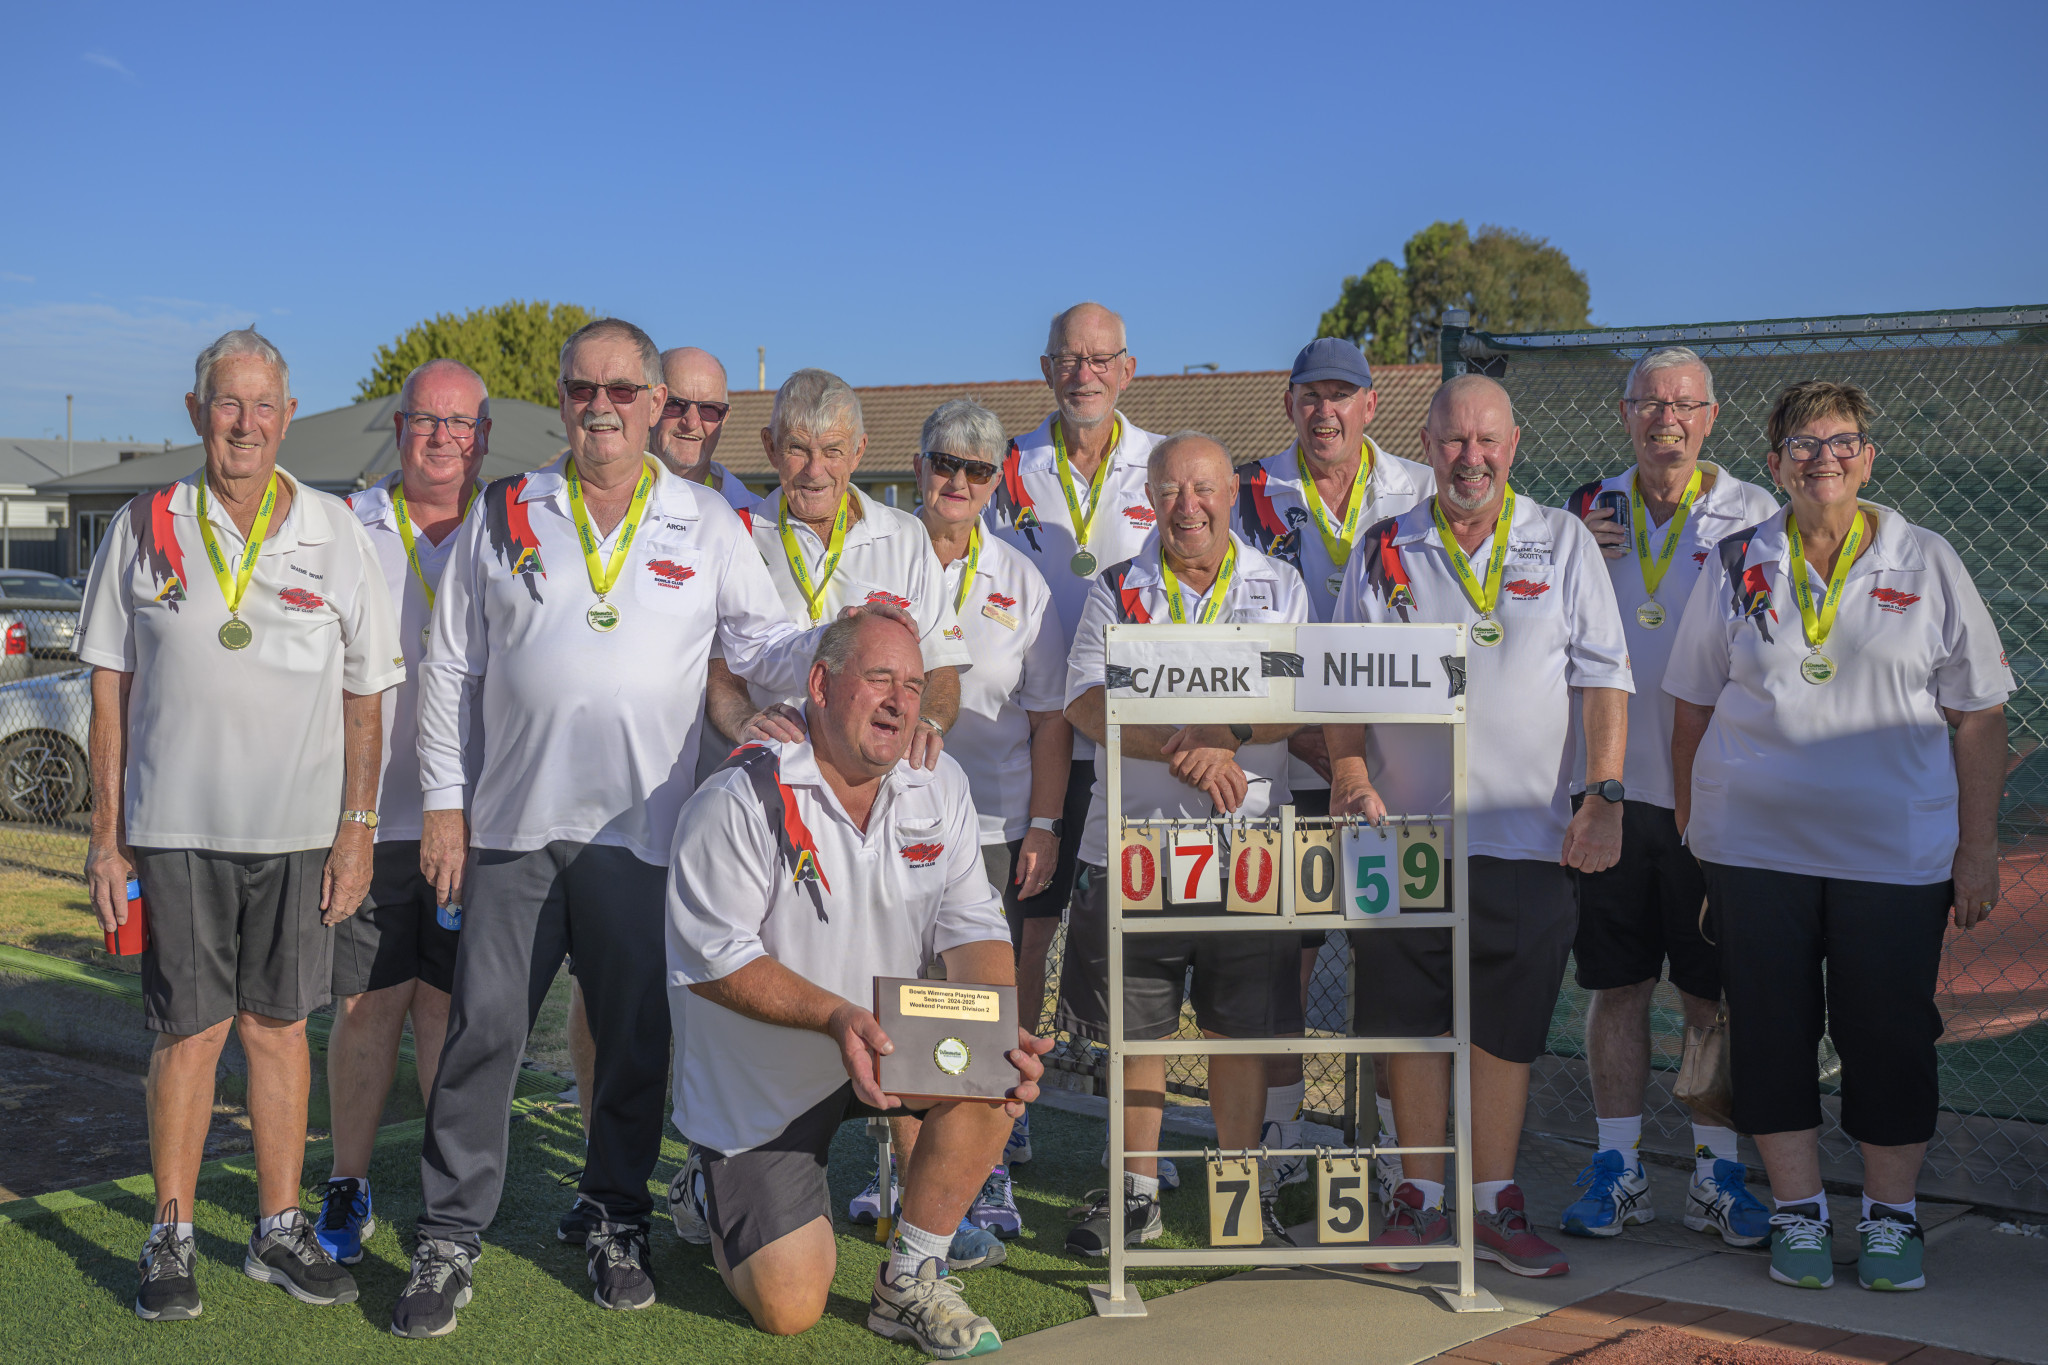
1066, 362
1657, 407
708, 412
425, 423
1843, 445
584, 390
977, 471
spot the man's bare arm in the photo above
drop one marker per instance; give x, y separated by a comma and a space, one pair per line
941, 699
107, 863
766, 990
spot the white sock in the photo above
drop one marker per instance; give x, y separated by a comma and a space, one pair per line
1283, 1103
1910, 1208
184, 1230
1486, 1195
1147, 1185
1709, 1145
1625, 1136
911, 1247
276, 1221
1432, 1192
1821, 1199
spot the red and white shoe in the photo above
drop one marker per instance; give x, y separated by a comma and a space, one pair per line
1409, 1224
1505, 1238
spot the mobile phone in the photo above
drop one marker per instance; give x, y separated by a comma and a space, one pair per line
1615, 501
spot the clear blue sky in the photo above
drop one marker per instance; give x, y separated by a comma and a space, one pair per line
904, 194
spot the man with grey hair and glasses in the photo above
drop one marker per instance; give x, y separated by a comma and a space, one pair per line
1656, 522
692, 419
240, 635
558, 739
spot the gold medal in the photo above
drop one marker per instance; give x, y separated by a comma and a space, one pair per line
1819, 622
1817, 668
1337, 538
952, 1056
1487, 631
235, 633
1482, 593
234, 582
1083, 564
603, 618
1335, 582
1650, 615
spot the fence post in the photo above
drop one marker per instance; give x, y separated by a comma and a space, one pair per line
1450, 341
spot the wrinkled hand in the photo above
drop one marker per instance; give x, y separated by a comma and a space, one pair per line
345, 878
108, 868
889, 610
1308, 746
1975, 871
926, 744
1613, 541
861, 1044
1029, 1069
1196, 756
1035, 862
1592, 842
1356, 796
777, 721
444, 853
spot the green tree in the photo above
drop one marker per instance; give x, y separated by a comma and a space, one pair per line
1508, 281
515, 346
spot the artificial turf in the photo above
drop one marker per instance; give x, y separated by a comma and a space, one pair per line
67, 1267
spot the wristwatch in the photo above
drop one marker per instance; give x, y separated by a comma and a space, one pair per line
1610, 790
1053, 827
1241, 732
367, 818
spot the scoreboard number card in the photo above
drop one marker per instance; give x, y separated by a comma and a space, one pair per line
1138, 866
1194, 867
1315, 870
1254, 885
1234, 1203
1368, 863
1342, 1185
1422, 867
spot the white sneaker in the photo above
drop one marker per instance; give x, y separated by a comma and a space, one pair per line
926, 1311
1278, 1171
686, 1203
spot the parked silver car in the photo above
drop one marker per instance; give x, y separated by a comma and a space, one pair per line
44, 723
48, 606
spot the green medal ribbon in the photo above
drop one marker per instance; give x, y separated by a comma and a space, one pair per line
604, 574
1487, 594
1066, 473
1820, 623
1210, 602
1655, 569
1337, 539
967, 572
233, 588
814, 596
406, 534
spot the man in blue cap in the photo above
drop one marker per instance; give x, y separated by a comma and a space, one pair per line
1308, 505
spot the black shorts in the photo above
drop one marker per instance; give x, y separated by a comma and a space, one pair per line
1524, 913
772, 1190
1315, 803
1246, 985
1880, 945
229, 932
1645, 910
1051, 903
395, 937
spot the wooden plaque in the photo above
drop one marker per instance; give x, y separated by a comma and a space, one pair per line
951, 1039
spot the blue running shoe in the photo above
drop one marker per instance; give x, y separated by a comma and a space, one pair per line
1722, 1203
866, 1207
995, 1208
345, 1220
973, 1248
1615, 1197
1017, 1150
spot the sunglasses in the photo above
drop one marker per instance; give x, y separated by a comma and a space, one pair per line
977, 471
620, 392
708, 412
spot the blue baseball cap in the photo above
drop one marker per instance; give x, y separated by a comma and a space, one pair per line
1331, 358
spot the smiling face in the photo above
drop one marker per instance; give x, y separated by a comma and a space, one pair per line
1330, 417
1192, 489
602, 432
244, 420
814, 469
949, 498
1470, 439
1661, 436
441, 459
1085, 398
687, 442
861, 716
1826, 480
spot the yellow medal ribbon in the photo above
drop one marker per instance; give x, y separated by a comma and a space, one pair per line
967, 571
1487, 594
1066, 473
406, 534
1655, 569
1211, 602
1337, 539
232, 589
814, 597
604, 575
1819, 623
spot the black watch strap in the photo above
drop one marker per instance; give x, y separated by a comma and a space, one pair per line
1241, 732
1611, 790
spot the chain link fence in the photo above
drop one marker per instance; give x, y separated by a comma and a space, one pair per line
45, 715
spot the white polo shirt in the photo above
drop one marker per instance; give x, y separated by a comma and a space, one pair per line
589, 737
729, 486
1020, 665
1720, 511
1852, 778
238, 750
398, 789
1563, 631
1272, 514
1030, 512
887, 557
767, 863
1263, 590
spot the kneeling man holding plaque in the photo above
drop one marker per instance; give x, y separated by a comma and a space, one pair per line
809, 879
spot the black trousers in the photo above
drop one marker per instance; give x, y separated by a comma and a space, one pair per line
1802, 956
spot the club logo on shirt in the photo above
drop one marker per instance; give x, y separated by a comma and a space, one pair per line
921, 855
954, 633
511, 531
1894, 601
1525, 590
889, 597
298, 599
1003, 600
1141, 517
1699, 557
670, 574
156, 539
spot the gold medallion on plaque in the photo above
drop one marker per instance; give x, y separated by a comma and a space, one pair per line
953, 1056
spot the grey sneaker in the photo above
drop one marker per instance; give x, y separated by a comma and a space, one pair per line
168, 1293
686, 1203
439, 1284
1091, 1236
925, 1310
615, 1254
1269, 1217
293, 1258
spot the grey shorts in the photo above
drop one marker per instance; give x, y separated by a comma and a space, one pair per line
229, 932
1524, 914
395, 936
1246, 985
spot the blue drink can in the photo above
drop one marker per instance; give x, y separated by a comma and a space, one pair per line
449, 916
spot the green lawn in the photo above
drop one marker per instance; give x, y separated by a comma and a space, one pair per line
67, 1268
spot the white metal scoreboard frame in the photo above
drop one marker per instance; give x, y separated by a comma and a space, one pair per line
1383, 674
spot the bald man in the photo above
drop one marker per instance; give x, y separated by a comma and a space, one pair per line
1546, 653
686, 437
